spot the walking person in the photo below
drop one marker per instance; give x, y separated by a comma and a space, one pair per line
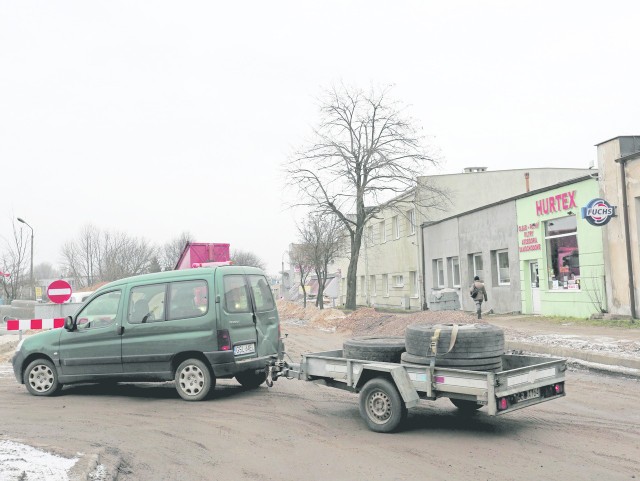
478, 293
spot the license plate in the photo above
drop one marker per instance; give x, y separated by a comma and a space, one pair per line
244, 349
526, 395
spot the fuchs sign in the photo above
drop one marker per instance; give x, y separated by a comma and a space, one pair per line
598, 212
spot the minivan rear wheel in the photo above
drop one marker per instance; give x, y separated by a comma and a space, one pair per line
251, 379
194, 380
41, 378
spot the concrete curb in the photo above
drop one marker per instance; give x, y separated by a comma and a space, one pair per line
567, 352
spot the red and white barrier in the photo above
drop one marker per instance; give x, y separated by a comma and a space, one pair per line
26, 324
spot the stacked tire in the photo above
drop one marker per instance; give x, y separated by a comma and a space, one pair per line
372, 348
477, 347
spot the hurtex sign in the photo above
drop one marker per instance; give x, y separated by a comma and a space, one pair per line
598, 212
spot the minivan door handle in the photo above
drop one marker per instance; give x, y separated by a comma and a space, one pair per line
120, 330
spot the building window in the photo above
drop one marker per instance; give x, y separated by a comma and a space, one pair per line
455, 271
411, 221
396, 227
438, 271
398, 280
383, 232
370, 235
477, 266
413, 278
502, 258
385, 284
372, 285
563, 259
363, 287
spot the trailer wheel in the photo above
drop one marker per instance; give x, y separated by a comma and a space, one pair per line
374, 348
251, 379
381, 406
465, 407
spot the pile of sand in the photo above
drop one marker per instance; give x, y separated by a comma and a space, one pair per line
368, 321
319, 318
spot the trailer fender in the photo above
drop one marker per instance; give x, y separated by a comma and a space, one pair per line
397, 374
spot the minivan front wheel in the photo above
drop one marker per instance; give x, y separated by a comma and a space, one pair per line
194, 380
41, 378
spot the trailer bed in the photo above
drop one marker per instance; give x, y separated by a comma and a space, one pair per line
521, 382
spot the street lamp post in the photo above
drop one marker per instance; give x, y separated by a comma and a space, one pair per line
33, 289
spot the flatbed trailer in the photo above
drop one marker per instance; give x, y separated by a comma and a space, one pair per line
387, 390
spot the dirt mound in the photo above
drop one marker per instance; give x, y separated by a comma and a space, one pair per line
326, 318
367, 320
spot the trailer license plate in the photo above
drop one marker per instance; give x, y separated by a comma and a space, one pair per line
244, 349
525, 395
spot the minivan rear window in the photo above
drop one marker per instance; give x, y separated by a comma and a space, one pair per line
261, 293
236, 297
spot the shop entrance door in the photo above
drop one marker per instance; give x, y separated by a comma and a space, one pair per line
535, 287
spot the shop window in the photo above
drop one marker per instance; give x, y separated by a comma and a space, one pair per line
478, 269
396, 227
413, 278
398, 280
563, 260
411, 221
372, 285
383, 232
502, 263
385, 284
454, 266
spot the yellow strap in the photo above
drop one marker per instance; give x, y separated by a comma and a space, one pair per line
454, 336
434, 342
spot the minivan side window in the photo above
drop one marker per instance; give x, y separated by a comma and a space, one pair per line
236, 297
100, 312
146, 304
261, 293
188, 299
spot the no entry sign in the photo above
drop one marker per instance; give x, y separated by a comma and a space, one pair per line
59, 291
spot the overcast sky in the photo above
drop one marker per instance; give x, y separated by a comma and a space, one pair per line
155, 118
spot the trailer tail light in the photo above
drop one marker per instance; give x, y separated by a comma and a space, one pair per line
503, 403
558, 388
224, 341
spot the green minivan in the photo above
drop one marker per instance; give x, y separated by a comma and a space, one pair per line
192, 326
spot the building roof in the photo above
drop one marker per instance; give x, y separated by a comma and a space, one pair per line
514, 198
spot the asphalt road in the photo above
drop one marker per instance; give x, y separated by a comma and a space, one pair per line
302, 431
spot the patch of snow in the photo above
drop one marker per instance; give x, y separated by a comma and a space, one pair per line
20, 462
98, 474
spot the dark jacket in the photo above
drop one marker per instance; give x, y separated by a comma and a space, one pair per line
482, 292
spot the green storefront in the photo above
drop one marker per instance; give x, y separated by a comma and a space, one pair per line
561, 255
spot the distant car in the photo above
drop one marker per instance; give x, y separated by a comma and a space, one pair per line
192, 326
79, 297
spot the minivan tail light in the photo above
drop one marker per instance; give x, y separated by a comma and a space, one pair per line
224, 341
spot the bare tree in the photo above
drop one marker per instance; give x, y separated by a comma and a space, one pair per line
300, 256
44, 270
97, 256
246, 258
366, 151
14, 261
83, 257
124, 256
170, 252
322, 237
